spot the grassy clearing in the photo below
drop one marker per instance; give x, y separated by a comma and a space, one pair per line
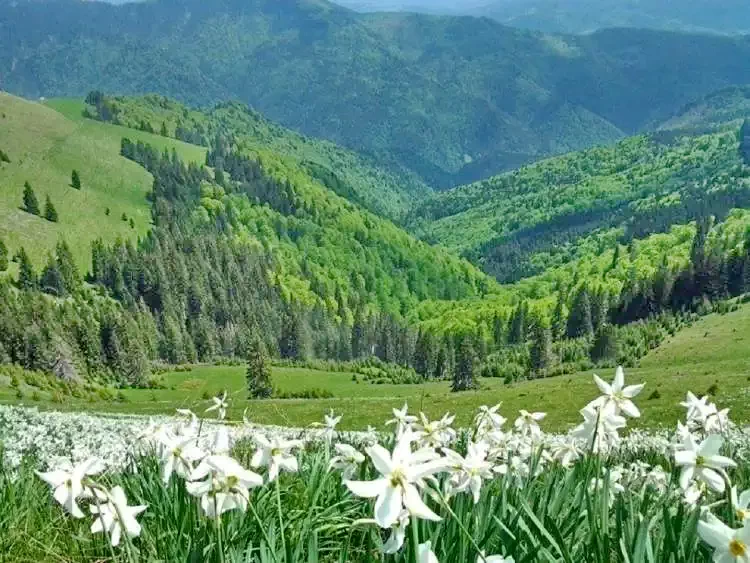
45, 144
713, 352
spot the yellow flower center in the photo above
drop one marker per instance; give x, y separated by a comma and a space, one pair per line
177, 452
700, 460
232, 482
737, 548
743, 514
398, 478
275, 452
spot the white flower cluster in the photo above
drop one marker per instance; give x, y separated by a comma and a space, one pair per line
416, 478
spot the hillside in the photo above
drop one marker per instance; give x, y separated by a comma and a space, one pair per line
452, 99
711, 112
386, 193
585, 16
518, 224
45, 144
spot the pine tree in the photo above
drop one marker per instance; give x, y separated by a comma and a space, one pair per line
463, 377
30, 202
50, 213
559, 320
52, 281
542, 356
75, 180
518, 324
26, 275
579, 321
258, 374
442, 365
67, 266
3, 257
164, 132
605, 346
423, 354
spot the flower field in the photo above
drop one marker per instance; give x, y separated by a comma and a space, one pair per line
76, 487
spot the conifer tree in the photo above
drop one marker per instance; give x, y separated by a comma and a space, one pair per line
30, 202
50, 213
423, 354
559, 320
67, 266
258, 375
26, 275
463, 376
3, 257
579, 320
605, 345
75, 180
542, 356
442, 368
518, 324
51, 280
164, 132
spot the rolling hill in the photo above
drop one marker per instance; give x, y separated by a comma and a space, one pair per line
45, 143
451, 98
584, 16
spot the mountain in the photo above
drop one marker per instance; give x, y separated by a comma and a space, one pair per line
520, 224
452, 99
388, 193
716, 110
585, 16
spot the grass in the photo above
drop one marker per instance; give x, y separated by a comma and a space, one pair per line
45, 144
714, 352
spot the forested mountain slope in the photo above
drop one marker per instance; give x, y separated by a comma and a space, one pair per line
583, 16
451, 98
518, 224
384, 192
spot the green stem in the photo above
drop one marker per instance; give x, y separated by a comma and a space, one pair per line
219, 531
281, 517
261, 526
414, 538
460, 524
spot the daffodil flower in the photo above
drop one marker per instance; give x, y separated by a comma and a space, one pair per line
730, 546
425, 553
528, 423
703, 462
178, 453
402, 420
741, 504
396, 488
115, 516
348, 460
276, 454
617, 396
220, 405
222, 484
469, 471
67, 484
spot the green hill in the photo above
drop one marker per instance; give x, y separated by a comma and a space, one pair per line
451, 98
520, 223
45, 144
711, 112
387, 193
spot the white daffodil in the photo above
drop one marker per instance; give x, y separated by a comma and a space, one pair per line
398, 534
178, 453
694, 492
402, 420
617, 396
528, 423
276, 454
348, 460
436, 433
741, 504
488, 419
330, 421
566, 450
67, 484
599, 429
468, 471
696, 408
716, 421
482, 558
425, 553
730, 546
396, 488
115, 516
221, 444
189, 424
703, 462
220, 405
222, 484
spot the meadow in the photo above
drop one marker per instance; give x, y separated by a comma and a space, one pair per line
710, 357
45, 143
